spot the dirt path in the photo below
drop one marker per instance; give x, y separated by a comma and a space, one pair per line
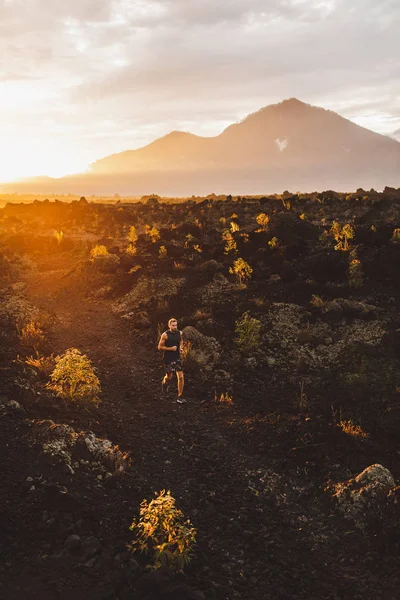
258, 538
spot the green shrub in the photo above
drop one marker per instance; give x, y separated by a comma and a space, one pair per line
163, 534
74, 378
248, 333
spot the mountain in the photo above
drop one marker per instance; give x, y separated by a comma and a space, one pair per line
290, 145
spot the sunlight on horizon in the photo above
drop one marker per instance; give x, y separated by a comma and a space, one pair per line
26, 158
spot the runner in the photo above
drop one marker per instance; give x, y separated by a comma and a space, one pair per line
170, 343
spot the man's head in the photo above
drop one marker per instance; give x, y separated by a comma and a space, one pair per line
173, 324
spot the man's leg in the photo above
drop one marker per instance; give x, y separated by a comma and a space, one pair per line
181, 382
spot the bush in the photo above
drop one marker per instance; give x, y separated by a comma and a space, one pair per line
32, 336
44, 364
74, 378
242, 270
248, 333
102, 259
162, 533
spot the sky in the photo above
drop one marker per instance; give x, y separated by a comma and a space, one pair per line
80, 80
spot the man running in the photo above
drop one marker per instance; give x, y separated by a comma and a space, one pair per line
170, 343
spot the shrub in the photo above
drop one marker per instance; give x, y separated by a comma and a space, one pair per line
162, 252
355, 272
32, 336
248, 333
98, 251
356, 431
44, 364
230, 243
262, 220
274, 243
132, 235
152, 233
162, 533
74, 378
242, 270
59, 235
317, 301
342, 235
102, 259
396, 236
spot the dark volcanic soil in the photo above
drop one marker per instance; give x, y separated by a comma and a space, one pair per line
265, 528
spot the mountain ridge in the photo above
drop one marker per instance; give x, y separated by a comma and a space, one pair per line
286, 145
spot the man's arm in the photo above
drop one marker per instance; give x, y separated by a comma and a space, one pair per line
161, 343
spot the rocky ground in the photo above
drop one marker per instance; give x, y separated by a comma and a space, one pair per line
273, 481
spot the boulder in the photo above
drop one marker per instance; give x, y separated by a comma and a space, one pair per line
370, 499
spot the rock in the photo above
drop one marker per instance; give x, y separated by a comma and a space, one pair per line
15, 408
72, 542
90, 547
370, 499
90, 563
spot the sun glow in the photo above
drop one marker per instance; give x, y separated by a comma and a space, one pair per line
21, 157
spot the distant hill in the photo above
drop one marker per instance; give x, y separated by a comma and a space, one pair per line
290, 145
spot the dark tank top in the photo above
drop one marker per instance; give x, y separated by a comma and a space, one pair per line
173, 339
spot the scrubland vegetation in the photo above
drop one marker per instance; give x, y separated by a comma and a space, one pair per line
281, 468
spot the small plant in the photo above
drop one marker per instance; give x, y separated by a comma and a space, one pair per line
32, 336
317, 301
163, 533
98, 251
132, 235
44, 364
162, 252
102, 259
59, 235
342, 235
263, 221
234, 227
230, 242
178, 264
396, 236
223, 398
74, 378
197, 248
242, 270
356, 431
355, 272
152, 233
132, 239
273, 243
248, 333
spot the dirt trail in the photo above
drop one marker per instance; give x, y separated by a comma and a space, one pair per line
251, 544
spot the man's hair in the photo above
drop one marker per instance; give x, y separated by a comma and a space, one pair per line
170, 321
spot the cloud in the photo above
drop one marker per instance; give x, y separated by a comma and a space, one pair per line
104, 75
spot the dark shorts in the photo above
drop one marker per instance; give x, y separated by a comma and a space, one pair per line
173, 367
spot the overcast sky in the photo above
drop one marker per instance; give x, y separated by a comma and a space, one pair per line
86, 78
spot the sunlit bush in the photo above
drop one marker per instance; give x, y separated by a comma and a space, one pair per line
242, 270
32, 336
44, 364
74, 378
163, 533
102, 259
